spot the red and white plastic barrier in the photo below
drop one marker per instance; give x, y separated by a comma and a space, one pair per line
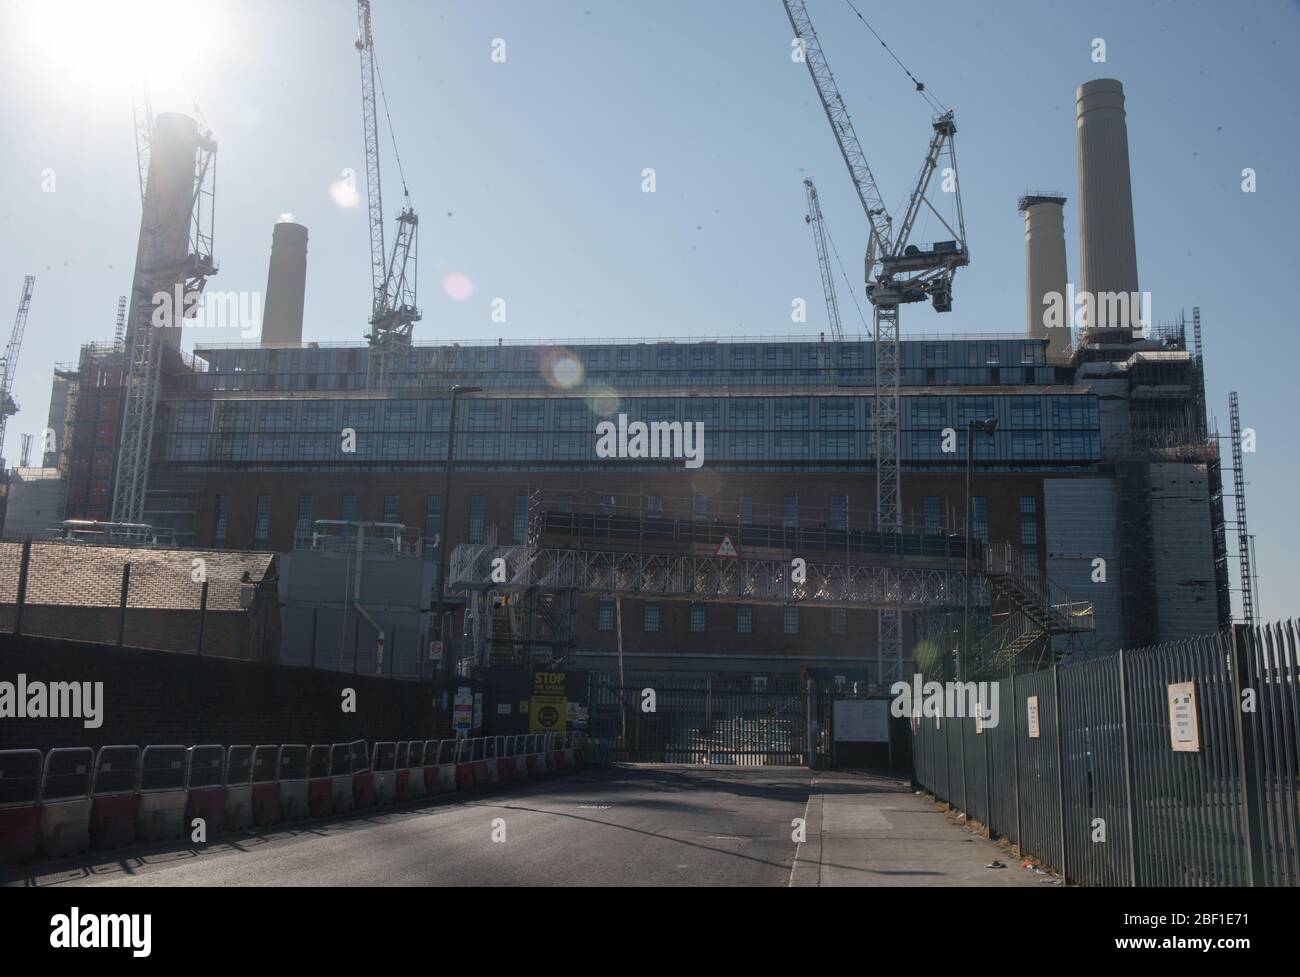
63, 813
320, 801
115, 794
20, 786
205, 786
239, 787
160, 813
291, 771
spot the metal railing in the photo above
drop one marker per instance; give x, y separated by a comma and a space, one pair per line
1174, 765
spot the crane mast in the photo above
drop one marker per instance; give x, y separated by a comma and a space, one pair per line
9, 364
393, 308
814, 219
896, 272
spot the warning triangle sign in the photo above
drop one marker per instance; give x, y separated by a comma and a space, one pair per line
727, 547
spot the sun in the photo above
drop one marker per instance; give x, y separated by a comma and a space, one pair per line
110, 49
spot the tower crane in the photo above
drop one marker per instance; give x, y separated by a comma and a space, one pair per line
814, 219
393, 276
9, 364
897, 272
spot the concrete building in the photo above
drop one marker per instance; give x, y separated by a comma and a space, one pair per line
35, 503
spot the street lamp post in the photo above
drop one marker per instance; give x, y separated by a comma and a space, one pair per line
444, 664
988, 426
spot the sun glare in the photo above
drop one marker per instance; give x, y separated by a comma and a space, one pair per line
111, 48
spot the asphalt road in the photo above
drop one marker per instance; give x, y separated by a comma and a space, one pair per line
619, 826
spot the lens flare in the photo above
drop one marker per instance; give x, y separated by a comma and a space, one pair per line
457, 286
562, 369
603, 401
344, 194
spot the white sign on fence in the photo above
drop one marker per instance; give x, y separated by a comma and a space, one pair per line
1033, 717
861, 720
1184, 730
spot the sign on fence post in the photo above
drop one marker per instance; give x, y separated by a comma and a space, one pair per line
1184, 730
1033, 717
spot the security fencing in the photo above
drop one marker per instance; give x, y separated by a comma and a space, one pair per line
1177, 764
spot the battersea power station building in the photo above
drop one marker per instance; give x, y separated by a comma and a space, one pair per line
1101, 455
1101, 476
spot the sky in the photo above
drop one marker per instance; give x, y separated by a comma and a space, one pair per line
527, 172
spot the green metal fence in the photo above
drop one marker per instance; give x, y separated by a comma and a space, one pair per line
1177, 764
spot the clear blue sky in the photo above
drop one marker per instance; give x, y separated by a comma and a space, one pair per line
527, 174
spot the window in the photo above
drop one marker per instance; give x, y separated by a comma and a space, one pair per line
838, 511
973, 409
702, 357
390, 509
790, 445
1028, 520
748, 445
605, 615
837, 412
262, 522
744, 620
742, 358
669, 358
747, 509
748, 412
994, 354
348, 507
629, 358
402, 415
484, 416
936, 354
220, 517
791, 508
932, 515
651, 617
790, 620
778, 357
701, 507
654, 504
837, 446
528, 415
572, 415
521, 519
566, 503
790, 413
1026, 412
697, 618
483, 446
980, 517
303, 530
476, 519
1027, 445
928, 412
850, 356
838, 620
1029, 353
432, 517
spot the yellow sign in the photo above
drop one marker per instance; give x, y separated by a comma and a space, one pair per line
547, 711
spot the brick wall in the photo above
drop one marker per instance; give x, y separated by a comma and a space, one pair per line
162, 697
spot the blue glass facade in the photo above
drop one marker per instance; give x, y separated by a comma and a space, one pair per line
772, 406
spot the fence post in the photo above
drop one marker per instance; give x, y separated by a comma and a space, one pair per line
203, 613
121, 606
21, 600
1060, 765
1247, 760
988, 775
1015, 751
1130, 801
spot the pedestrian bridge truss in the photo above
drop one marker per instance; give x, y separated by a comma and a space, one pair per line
883, 582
